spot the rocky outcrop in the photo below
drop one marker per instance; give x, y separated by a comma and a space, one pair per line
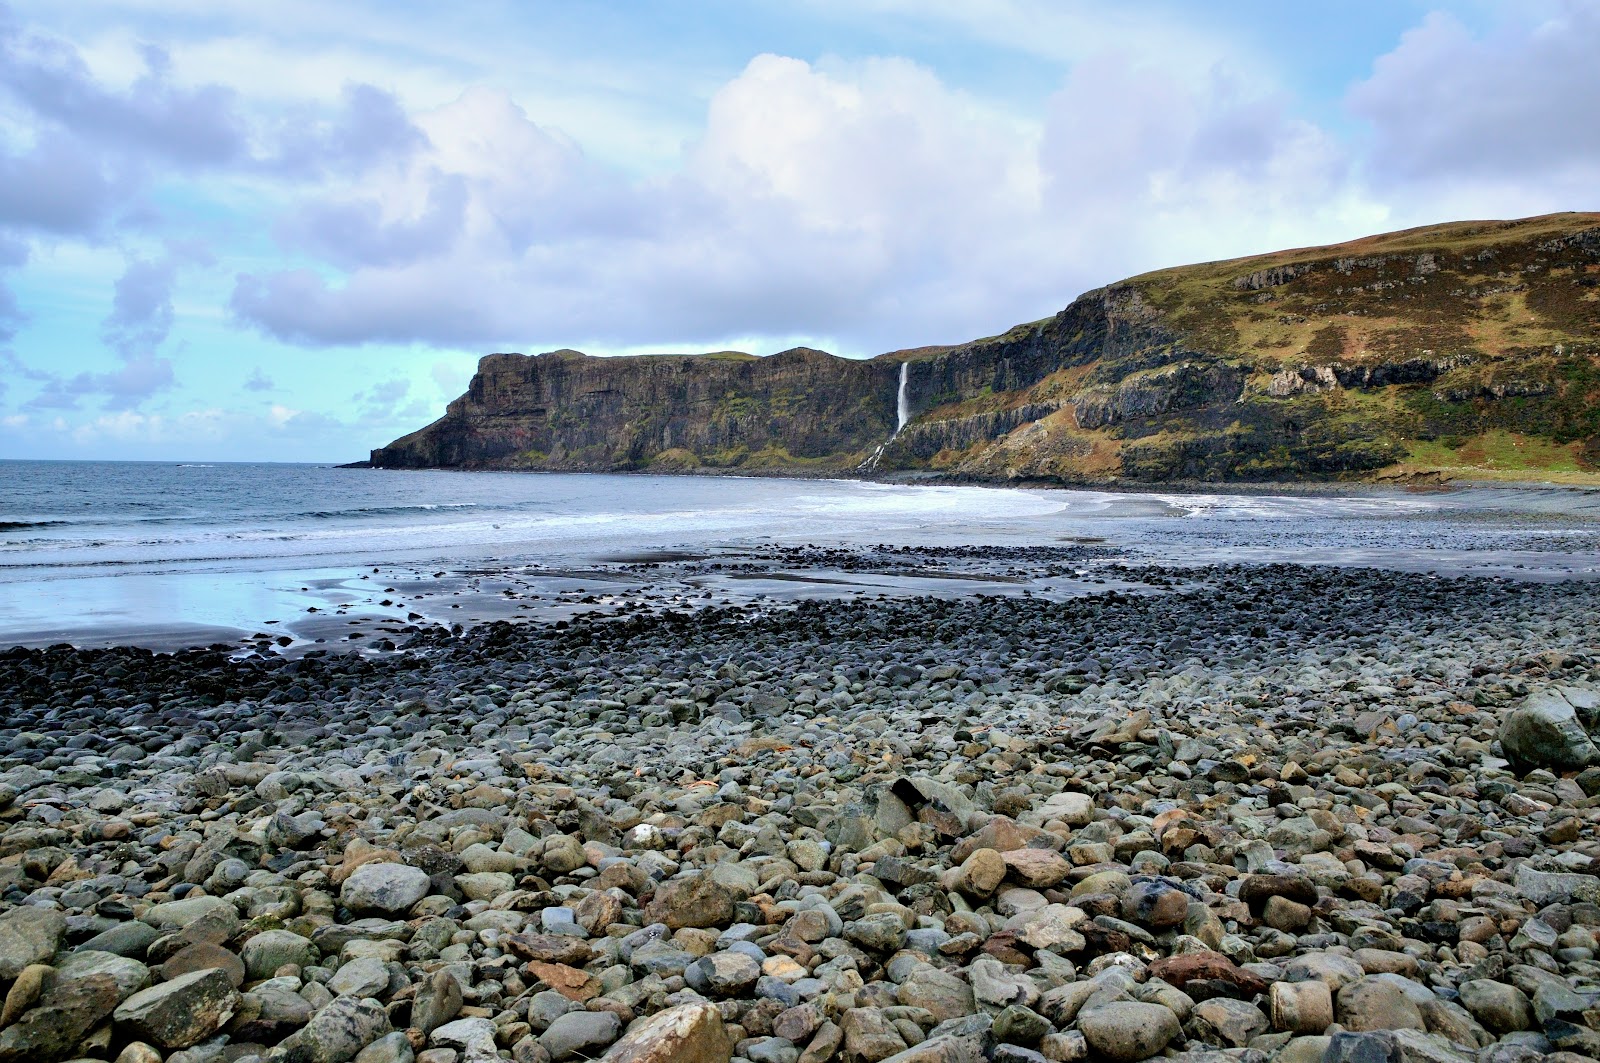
566, 410
1331, 362
1185, 386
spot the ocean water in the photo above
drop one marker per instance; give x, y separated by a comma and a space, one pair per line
97, 550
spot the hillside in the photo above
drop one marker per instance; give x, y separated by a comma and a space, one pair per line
1471, 347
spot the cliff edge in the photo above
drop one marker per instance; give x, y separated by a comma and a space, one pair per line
1469, 347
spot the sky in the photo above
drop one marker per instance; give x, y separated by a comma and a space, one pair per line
241, 231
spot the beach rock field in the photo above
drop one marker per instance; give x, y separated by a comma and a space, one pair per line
1246, 812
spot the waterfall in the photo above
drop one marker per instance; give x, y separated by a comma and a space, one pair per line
903, 401
902, 412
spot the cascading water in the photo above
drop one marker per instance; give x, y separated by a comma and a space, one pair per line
903, 400
902, 411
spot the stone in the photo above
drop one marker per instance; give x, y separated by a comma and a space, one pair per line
269, 1012
132, 938
272, 949
1205, 966
688, 1033
1501, 1008
798, 1024
1073, 809
1545, 887
1300, 1007
548, 948
200, 956
1054, 926
869, 1036
982, 872
879, 932
52, 1029
1286, 915
385, 888
472, 1037
1226, 1022
390, 1048
25, 991
180, 1013
722, 974
693, 900
367, 976
1362, 1048
438, 1000
585, 1033
951, 1048
570, 982
1256, 890
996, 986
562, 854
485, 885
129, 975
939, 992
1037, 868
1333, 970
1017, 1025
1547, 730
181, 914
1157, 905
1127, 1031
1373, 1003
341, 1029
29, 935
138, 1052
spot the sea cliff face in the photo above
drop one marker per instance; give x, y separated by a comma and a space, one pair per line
1467, 346
566, 410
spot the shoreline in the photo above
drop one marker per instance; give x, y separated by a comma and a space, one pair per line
1420, 480
977, 823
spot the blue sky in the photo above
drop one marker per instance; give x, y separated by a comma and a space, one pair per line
287, 231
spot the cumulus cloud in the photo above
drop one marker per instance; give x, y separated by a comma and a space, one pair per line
184, 125
141, 306
93, 150
864, 201
858, 204
123, 388
58, 185
1512, 103
370, 127
1145, 167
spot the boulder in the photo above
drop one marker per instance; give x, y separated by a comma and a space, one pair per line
386, 888
1126, 1031
1550, 729
695, 900
688, 1033
52, 1029
341, 1029
182, 1012
28, 935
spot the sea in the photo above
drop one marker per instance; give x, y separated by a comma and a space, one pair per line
167, 552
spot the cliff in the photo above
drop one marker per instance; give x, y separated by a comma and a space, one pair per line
1471, 346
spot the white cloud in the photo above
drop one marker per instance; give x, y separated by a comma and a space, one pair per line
1499, 121
865, 201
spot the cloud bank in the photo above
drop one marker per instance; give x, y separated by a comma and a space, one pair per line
862, 203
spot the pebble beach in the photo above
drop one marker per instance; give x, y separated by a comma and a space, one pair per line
1247, 812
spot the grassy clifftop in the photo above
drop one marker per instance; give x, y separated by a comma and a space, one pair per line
1471, 348
1464, 349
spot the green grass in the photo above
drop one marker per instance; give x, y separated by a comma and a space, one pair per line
1497, 451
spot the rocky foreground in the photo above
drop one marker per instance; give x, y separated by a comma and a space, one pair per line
1271, 813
